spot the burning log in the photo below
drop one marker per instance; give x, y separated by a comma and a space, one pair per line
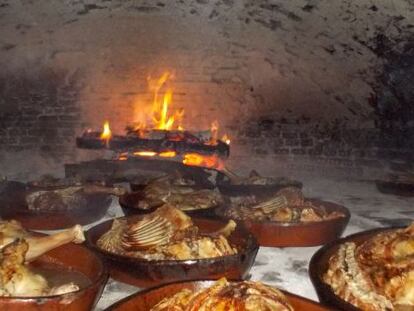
121, 171
161, 134
158, 141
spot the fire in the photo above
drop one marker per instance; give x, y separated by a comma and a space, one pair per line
214, 132
168, 154
164, 154
226, 139
163, 121
179, 116
190, 159
162, 117
145, 153
210, 161
106, 132
123, 156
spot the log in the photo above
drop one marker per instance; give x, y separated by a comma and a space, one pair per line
135, 168
180, 142
200, 137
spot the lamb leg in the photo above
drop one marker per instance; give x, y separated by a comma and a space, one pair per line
40, 245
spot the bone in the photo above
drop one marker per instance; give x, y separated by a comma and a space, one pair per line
41, 245
64, 289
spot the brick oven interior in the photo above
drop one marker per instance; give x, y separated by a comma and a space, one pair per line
316, 90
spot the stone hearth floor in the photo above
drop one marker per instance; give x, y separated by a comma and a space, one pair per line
287, 268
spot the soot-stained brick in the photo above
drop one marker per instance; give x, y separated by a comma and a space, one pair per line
38, 113
298, 151
279, 9
281, 151
271, 24
145, 9
7, 47
308, 7
90, 7
266, 124
261, 151
290, 135
292, 142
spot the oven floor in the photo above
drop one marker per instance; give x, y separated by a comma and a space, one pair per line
287, 268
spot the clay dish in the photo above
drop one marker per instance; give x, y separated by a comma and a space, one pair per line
95, 207
147, 273
129, 203
70, 257
285, 234
143, 301
319, 265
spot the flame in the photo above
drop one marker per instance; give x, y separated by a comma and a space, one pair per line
179, 116
123, 156
155, 86
140, 125
190, 159
214, 132
162, 117
168, 154
210, 161
145, 153
165, 154
226, 139
106, 132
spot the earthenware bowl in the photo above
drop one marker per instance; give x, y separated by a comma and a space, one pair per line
143, 301
94, 208
285, 234
70, 257
319, 264
129, 203
146, 273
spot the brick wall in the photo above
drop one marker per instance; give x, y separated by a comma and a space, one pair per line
292, 146
38, 112
67, 65
325, 140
